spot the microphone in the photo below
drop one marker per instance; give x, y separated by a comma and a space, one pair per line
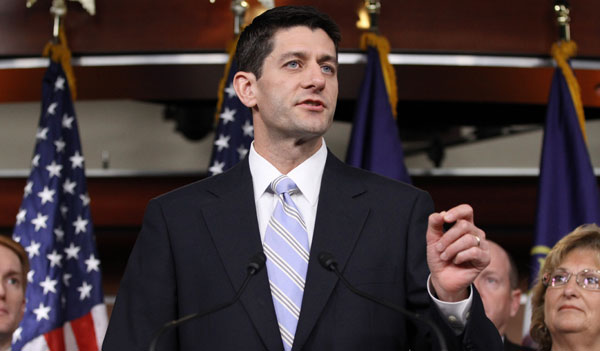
328, 262
256, 263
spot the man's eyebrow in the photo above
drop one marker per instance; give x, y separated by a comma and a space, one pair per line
303, 56
293, 54
328, 58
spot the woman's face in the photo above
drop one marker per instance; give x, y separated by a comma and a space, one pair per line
571, 308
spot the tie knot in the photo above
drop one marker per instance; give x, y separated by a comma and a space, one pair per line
283, 184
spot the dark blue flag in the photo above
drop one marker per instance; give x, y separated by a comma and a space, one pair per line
375, 142
568, 191
234, 132
65, 305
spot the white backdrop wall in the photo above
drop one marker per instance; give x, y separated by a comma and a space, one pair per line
137, 137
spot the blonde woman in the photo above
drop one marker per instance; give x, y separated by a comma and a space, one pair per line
566, 298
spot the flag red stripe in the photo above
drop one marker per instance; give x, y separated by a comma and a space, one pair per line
85, 334
55, 340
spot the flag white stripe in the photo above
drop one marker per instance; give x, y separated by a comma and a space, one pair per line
70, 342
100, 318
39, 343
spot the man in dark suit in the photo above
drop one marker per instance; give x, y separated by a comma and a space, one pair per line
498, 285
195, 241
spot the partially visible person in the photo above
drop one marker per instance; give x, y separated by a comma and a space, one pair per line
14, 266
498, 286
566, 297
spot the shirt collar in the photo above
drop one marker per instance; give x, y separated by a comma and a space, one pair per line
306, 175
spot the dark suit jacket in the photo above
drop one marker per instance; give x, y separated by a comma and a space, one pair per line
195, 243
509, 346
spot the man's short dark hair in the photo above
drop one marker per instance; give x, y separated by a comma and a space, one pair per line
256, 41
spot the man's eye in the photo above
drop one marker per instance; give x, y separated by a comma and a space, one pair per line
327, 69
13, 281
293, 64
492, 280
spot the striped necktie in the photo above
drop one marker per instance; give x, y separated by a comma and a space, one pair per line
286, 248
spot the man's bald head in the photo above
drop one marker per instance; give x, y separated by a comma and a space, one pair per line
498, 286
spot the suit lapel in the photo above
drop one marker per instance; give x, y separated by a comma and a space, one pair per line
340, 218
232, 223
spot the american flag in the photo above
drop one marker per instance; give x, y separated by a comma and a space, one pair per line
64, 309
235, 131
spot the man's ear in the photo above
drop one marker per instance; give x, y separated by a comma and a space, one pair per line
515, 302
244, 84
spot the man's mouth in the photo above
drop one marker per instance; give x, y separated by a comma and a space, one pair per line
314, 102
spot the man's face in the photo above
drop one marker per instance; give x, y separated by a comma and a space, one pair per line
12, 296
493, 283
297, 93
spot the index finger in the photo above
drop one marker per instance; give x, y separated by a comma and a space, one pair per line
463, 211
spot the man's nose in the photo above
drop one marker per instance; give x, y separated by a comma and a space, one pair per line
315, 78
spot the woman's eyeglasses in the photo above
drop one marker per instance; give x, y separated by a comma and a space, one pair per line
587, 278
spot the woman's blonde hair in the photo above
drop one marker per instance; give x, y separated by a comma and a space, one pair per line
586, 236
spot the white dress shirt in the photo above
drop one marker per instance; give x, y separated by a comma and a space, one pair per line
307, 177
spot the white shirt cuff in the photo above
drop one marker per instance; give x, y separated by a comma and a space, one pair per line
455, 313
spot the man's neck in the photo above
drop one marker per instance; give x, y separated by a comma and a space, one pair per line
285, 156
5, 342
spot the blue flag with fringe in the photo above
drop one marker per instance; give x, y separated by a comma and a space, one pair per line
375, 142
568, 194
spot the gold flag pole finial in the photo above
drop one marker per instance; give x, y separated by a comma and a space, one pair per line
58, 9
368, 16
374, 9
562, 9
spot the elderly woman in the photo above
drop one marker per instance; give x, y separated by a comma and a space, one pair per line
566, 298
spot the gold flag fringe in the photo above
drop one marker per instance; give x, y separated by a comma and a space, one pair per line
60, 53
389, 74
563, 51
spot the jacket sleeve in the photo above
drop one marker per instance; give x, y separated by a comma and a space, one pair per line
479, 332
147, 294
